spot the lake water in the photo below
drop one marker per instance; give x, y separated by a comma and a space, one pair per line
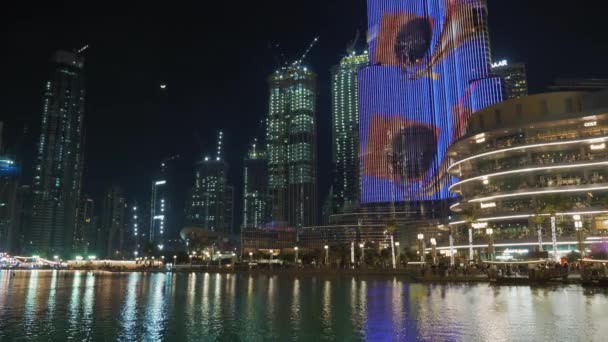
85, 306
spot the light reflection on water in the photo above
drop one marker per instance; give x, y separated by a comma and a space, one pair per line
82, 306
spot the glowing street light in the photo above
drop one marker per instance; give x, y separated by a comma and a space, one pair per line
490, 232
362, 246
296, 257
434, 249
421, 246
326, 247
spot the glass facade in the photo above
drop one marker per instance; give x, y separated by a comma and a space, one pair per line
211, 204
515, 81
255, 188
345, 129
58, 170
9, 205
291, 146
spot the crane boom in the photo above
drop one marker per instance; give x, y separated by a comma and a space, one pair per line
310, 46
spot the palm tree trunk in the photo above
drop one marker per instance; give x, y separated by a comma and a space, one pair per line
540, 237
471, 243
393, 251
554, 236
451, 248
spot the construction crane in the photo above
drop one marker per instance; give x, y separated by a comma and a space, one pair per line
82, 49
301, 59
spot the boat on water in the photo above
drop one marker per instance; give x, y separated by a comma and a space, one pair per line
525, 272
594, 272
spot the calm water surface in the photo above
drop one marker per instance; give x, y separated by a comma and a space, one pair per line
85, 306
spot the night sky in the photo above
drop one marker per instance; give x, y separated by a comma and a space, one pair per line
215, 60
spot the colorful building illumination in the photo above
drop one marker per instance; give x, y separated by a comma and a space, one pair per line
430, 69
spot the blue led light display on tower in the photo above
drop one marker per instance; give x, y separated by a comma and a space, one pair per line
430, 67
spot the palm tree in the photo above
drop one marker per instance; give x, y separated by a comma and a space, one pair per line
391, 226
552, 205
469, 215
538, 220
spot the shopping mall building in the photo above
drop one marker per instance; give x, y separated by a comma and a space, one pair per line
527, 167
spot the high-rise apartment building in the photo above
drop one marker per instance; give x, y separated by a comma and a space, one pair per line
135, 228
211, 204
58, 171
515, 80
255, 188
9, 205
345, 129
114, 223
291, 146
86, 236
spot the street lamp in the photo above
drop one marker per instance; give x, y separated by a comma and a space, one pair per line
578, 225
397, 244
326, 247
271, 252
421, 247
490, 232
362, 245
296, 258
250, 256
434, 249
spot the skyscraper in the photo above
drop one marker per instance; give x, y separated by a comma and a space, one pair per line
9, 205
430, 69
114, 223
255, 188
211, 204
135, 228
87, 231
345, 110
515, 80
160, 205
291, 145
58, 172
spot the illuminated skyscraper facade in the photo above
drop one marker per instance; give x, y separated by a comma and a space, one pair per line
291, 145
429, 70
345, 129
135, 227
58, 171
211, 204
164, 217
515, 81
255, 188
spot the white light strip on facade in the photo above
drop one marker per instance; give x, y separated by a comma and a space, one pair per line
500, 218
515, 244
160, 182
541, 192
592, 140
531, 169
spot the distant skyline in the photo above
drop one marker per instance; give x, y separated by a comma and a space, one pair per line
215, 62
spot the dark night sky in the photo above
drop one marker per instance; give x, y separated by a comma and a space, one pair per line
215, 60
